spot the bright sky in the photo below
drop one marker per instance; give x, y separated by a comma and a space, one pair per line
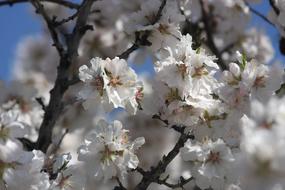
18, 21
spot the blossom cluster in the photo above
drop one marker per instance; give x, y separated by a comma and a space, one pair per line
111, 83
185, 89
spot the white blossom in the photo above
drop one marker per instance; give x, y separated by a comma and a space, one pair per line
27, 175
110, 82
211, 162
262, 143
107, 151
10, 127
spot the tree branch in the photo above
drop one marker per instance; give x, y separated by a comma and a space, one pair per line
153, 175
228, 48
179, 129
54, 147
180, 183
282, 39
142, 39
41, 103
64, 3
275, 8
50, 24
120, 187
62, 82
259, 14
210, 39
65, 20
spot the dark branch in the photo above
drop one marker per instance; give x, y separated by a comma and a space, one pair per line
153, 175
41, 103
74, 81
180, 183
206, 18
142, 38
62, 82
55, 146
228, 48
177, 128
50, 24
120, 187
134, 47
259, 14
64, 3
275, 8
27, 144
193, 29
281, 90
282, 39
65, 20
157, 116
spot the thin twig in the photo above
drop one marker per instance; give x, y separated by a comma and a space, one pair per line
193, 29
67, 4
65, 20
54, 148
180, 183
50, 24
206, 18
154, 173
142, 39
41, 103
120, 187
228, 48
259, 14
177, 128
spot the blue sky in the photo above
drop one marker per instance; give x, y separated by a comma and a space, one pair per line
18, 21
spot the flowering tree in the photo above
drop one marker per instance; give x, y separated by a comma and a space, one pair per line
209, 113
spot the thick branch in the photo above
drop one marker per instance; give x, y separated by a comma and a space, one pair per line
154, 173
67, 4
67, 57
206, 18
142, 39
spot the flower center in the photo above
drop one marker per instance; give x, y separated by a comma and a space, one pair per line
125, 138
109, 155
266, 125
214, 157
182, 69
115, 81
163, 29
199, 71
259, 82
139, 95
151, 18
172, 96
